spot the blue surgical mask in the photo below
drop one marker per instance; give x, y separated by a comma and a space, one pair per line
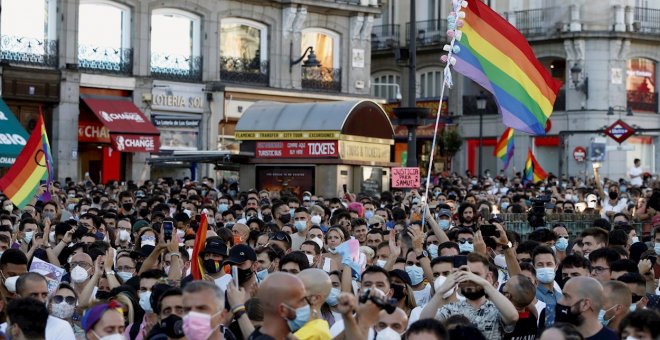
465, 247
656, 247
416, 274
222, 207
332, 297
389, 225
444, 224
302, 316
368, 214
561, 244
144, 301
125, 276
601, 316
545, 275
504, 205
300, 225
433, 250
261, 275
633, 307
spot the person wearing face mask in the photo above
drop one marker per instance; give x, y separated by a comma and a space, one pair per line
492, 313
26, 230
317, 285
81, 269
545, 264
302, 223
641, 325
285, 307
245, 258
62, 304
444, 219
27, 320
616, 304
402, 292
389, 326
104, 321
13, 263
281, 214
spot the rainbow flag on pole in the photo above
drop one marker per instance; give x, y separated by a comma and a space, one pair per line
33, 167
197, 268
504, 148
496, 55
533, 171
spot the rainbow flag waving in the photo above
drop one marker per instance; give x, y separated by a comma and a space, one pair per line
33, 165
504, 148
496, 55
196, 266
533, 171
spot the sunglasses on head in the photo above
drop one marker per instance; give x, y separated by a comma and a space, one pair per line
69, 299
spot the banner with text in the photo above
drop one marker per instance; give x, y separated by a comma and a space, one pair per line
405, 178
297, 149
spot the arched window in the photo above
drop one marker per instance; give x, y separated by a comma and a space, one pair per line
107, 49
243, 51
429, 83
640, 84
29, 32
387, 88
326, 77
175, 45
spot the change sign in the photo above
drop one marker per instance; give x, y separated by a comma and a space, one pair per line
405, 177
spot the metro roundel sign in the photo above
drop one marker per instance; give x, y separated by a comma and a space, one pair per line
619, 131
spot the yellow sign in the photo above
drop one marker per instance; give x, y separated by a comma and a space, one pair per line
286, 135
361, 151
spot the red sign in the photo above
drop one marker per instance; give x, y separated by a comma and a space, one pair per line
619, 131
579, 154
405, 178
93, 133
121, 116
297, 149
135, 143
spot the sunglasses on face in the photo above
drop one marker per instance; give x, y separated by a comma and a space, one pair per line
69, 299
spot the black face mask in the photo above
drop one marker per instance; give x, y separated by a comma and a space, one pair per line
96, 199
127, 206
568, 211
475, 295
566, 314
267, 218
398, 291
613, 195
173, 326
100, 295
212, 266
285, 218
244, 275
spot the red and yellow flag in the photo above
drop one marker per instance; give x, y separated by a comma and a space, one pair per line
197, 268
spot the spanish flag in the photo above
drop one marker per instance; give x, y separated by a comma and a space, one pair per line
33, 165
197, 267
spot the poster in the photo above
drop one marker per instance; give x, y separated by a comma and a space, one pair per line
52, 273
405, 178
295, 179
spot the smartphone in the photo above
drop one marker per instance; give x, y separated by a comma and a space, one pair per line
488, 230
168, 227
460, 260
345, 188
234, 275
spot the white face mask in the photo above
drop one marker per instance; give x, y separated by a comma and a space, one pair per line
438, 282
310, 258
51, 236
180, 233
79, 274
10, 284
388, 334
124, 235
316, 220
381, 263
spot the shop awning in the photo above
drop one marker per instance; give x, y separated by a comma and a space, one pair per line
13, 136
130, 130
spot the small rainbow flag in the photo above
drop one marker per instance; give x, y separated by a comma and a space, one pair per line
533, 171
33, 165
197, 267
504, 148
496, 55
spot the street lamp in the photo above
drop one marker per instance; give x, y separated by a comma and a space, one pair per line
481, 107
311, 59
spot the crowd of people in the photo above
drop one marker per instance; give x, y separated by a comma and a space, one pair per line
110, 261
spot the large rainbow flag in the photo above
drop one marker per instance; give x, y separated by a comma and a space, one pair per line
33, 165
196, 263
533, 171
504, 148
496, 55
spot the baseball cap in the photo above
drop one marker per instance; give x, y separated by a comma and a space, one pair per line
139, 225
401, 274
444, 212
241, 253
215, 245
281, 236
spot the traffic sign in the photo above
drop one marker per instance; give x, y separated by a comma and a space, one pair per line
579, 154
619, 131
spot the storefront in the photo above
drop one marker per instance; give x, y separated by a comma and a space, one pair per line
176, 110
13, 137
318, 147
110, 130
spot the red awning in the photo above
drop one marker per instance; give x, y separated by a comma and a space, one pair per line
130, 130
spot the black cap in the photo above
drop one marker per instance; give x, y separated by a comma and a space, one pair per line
215, 245
401, 274
281, 236
241, 253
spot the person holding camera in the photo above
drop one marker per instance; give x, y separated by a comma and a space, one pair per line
494, 315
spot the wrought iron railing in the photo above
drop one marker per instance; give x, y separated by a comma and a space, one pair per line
560, 101
532, 22
176, 67
430, 32
647, 20
244, 70
470, 105
321, 79
105, 59
384, 37
29, 51
643, 101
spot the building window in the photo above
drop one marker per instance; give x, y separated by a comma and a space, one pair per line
430, 83
106, 50
326, 77
387, 90
175, 45
243, 51
640, 85
29, 32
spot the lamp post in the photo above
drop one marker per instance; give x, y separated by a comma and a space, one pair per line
481, 107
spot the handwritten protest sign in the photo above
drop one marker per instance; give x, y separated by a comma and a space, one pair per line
405, 177
52, 273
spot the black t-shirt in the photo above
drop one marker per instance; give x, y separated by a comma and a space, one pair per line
257, 335
604, 334
526, 328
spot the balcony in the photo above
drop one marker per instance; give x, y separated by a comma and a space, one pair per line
538, 22
29, 51
176, 68
384, 37
643, 101
111, 60
322, 79
647, 20
243, 70
430, 32
470, 105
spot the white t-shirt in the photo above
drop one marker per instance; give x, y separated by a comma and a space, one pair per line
620, 205
423, 296
635, 174
58, 329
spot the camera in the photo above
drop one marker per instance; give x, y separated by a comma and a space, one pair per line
389, 305
536, 215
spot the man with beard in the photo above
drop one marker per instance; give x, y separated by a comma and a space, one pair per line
580, 305
494, 316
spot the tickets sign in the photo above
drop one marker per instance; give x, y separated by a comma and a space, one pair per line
297, 149
405, 178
